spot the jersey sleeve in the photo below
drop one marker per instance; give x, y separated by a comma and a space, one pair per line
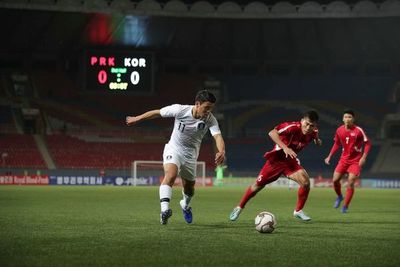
170, 111
285, 128
336, 143
367, 143
367, 147
365, 138
214, 127
336, 138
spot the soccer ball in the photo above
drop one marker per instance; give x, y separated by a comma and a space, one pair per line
265, 222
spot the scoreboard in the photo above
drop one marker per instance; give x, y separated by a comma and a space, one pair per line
119, 71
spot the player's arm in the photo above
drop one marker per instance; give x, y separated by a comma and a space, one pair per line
367, 148
152, 114
274, 135
334, 149
220, 155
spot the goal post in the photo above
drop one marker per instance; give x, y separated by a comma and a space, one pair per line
148, 168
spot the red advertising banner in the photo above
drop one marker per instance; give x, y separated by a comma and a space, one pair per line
24, 180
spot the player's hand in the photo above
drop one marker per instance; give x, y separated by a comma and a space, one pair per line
130, 120
362, 162
318, 142
290, 153
219, 158
327, 160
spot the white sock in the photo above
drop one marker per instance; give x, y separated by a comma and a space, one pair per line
186, 200
165, 196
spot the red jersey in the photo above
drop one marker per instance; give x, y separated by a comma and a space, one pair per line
352, 141
292, 136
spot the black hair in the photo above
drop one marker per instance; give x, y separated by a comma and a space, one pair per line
204, 96
349, 111
312, 115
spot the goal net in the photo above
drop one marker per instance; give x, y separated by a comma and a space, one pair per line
143, 169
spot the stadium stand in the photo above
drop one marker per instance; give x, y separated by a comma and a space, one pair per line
59, 96
20, 151
266, 102
75, 153
251, 119
6, 121
387, 159
270, 71
5, 115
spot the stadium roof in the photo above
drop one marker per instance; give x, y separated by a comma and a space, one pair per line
44, 30
219, 8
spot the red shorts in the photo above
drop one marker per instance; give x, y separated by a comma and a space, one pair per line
273, 169
348, 167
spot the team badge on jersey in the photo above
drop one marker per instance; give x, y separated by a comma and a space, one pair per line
201, 126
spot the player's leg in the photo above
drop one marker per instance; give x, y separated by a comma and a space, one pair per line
172, 163
250, 192
187, 192
188, 175
337, 187
354, 174
338, 174
187, 195
301, 177
170, 174
268, 174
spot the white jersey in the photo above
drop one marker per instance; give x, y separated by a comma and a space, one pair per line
188, 132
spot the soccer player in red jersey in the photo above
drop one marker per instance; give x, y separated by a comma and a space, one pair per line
352, 139
290, 138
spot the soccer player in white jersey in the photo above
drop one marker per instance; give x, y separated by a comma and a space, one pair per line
180, 154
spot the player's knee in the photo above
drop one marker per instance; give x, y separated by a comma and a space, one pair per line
256, 188
303, 180
351, 181
306, 185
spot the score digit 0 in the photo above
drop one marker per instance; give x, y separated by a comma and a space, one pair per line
135, 77
102, 76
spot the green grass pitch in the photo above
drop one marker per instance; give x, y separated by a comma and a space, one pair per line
119, 226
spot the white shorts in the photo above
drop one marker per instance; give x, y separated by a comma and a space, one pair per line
186, 167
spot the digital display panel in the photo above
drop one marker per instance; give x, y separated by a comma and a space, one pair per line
119, 71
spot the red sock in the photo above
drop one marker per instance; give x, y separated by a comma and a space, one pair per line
337, 187
349, 196
246, 197
302, 196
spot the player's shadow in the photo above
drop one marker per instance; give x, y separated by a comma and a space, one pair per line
218, 226
226, 228
198, 226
